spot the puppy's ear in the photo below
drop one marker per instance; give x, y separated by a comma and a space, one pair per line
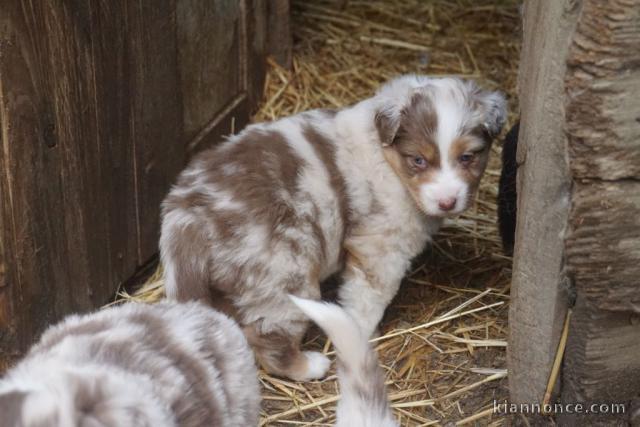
387, 122
493, 110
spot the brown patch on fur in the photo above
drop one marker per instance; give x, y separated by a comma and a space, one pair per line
221, 302
318, 233
353, 258
260, 153
419, 120
411, 181
470, 172
195, 198
326, 151
199, 406
386, 126
375, 207
327, 112
267, 164
265, 183
367, 384
53, 337
415, 137
219, 357
417, 123
193, 244
93, 406
11, 408
278, 352
355, 261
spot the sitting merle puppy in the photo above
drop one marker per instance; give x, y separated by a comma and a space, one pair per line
163, 365
280, 207
508, 194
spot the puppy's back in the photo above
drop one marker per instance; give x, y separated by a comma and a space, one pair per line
163, 365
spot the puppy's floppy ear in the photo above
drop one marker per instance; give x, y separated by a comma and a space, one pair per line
387, 122
493, 108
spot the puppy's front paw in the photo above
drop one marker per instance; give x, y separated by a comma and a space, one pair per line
317, 365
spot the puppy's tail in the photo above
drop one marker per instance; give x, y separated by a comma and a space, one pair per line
364, 401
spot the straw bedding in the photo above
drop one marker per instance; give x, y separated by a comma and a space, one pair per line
443, 339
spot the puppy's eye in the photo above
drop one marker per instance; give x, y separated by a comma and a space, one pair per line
419, 162
466, 158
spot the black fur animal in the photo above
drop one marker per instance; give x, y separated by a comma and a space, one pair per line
507, 194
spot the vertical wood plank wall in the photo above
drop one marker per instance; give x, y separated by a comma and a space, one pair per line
101, 103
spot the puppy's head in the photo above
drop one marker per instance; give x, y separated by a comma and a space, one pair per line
436, 135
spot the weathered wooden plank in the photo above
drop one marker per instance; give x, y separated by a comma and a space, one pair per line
210, 45
66, 152
229, 121
156, 113
257, 28
33, 159
9, 291
538, 296
105, 180
92, 135
280, 41
209, 111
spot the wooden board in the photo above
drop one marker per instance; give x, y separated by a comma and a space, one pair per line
219, 94
97, 103
156, 110
257, 14
209, 49
538, 296
280, 41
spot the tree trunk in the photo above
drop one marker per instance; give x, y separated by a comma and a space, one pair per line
578, 238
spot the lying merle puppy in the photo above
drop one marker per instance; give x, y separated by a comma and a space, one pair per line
135, 365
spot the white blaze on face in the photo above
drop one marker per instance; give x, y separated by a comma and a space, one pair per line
446, 194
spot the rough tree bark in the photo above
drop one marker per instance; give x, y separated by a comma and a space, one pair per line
578, 241
602, 102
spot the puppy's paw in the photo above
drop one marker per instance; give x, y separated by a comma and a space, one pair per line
317, 365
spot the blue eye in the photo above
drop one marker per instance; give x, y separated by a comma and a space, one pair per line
419, 161
466, 158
